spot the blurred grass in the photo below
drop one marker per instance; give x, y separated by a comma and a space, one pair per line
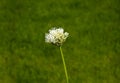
92, 51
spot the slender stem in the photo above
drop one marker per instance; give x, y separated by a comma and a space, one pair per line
64, 65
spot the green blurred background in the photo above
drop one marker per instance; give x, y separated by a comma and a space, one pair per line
92, 51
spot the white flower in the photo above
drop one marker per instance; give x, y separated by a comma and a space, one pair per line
56, 36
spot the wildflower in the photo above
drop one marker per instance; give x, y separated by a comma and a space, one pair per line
56, 36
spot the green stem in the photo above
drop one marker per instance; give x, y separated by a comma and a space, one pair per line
64, 65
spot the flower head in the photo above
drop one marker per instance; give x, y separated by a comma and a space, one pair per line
56, 36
